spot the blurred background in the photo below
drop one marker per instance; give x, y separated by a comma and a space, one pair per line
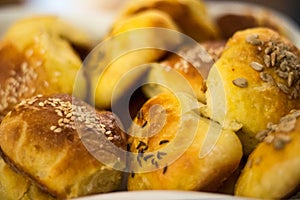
288, 7
101, 13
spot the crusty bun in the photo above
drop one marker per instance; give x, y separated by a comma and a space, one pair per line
253, 83
272, 169
193, 74
189, 15
130, 43
42, 139
14, 186
38, 56
176, 149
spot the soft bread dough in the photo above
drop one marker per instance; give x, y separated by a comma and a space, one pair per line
42, 140
38, 55
208, 155
272, 169
252, 106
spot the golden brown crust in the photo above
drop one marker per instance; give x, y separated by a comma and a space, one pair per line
14, 186
256, 90
41, 138
38, 56
192, 63
272, 169
118, 64
159, 123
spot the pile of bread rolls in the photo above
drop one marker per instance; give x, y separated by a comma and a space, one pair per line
232, 127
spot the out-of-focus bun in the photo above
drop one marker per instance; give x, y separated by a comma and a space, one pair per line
39, 55
41, 138
133, 41
189, 15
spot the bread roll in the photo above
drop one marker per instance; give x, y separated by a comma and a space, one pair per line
133, 41
255, 81
193, 74
44, 138
173, 148
14, 186
272, 169
38, 56
190, 16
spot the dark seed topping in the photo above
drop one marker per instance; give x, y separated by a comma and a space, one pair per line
163, 142
160, 155
165, 169
132, 174
147, 157
138, 158
145, 123
141, 144
155, 163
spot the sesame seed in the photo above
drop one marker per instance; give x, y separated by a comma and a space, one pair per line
58, 130
107, 132
110, 138
52, 128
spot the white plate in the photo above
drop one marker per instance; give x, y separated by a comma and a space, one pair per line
97, 23
158, 195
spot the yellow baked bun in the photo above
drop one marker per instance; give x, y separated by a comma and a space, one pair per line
132, 41
46, 140
253, 83
189, 15
14, 186
173, 148
191, 63
39, 55
272, 169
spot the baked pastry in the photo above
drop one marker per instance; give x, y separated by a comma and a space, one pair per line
54, 141
253, 83
184, 71
132, 42
272, 169
14, 186
39, 55
174, 148
189, 15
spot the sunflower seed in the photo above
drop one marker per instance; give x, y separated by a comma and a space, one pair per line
257, 66
240, 82
253, 39
283, 88
267, 60
266, 77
